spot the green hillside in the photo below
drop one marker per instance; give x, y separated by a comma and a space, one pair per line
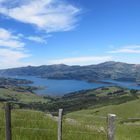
93, 98
35, 125
127, 128
89, 122
21, 97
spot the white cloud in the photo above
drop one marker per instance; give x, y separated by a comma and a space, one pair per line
125, 51
132, 46
12, 49
11, 58
48, 15
132, 49
81, 60
37, 39
7, 39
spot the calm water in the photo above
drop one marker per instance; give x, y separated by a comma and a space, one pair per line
126, 84
61, 87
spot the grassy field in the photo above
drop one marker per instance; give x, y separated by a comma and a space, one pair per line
89, 124
86, 124
35, 125
127, 129
23, 97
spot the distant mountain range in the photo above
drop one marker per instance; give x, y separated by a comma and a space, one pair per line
107, 70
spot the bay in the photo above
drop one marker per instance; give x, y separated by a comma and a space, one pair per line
61, 87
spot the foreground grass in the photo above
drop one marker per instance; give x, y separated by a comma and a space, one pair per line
35, 125
89, 124
126, 129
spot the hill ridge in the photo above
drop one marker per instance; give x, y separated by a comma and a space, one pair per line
106, 70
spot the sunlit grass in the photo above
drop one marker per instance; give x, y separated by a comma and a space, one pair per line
35, 125
89, 124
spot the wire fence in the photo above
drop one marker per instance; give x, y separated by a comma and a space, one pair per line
107, 123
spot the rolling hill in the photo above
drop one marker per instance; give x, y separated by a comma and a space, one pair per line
87, 123
107, 70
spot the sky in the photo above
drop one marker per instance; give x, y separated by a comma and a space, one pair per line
73, 32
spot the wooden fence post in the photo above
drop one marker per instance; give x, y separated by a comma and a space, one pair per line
8, 121
60, 124
111, 126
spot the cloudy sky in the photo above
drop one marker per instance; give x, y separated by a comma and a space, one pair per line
74, 32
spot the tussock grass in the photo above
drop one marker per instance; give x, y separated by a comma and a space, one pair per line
36, 125
129, 130
82, 125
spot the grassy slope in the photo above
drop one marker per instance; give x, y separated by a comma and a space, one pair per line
24, 97
125, 131
44, 127
84, 124
88, 124
92, 98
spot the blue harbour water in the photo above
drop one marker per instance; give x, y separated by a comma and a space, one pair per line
61, 87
